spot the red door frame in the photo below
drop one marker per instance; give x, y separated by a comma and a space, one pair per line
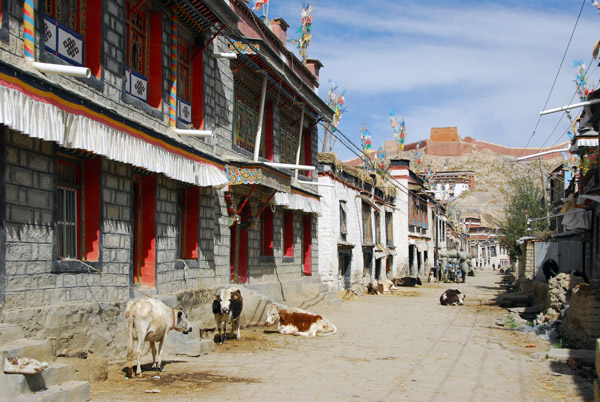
239, 248
307, 245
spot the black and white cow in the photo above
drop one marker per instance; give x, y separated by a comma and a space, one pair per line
227, 308
407, 281
452, 297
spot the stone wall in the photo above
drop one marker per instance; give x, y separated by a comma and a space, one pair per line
526, 262
581, 326
29, 201
168, 280
116, 229
448, 148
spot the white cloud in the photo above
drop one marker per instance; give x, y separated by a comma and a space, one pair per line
486, 68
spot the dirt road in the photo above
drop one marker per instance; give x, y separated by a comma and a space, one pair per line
402, 346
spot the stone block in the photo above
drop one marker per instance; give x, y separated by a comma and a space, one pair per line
597, 365
23, 141
10, 333
39, 163
19, 214
586, 357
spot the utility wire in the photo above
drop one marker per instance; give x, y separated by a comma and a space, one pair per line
556, 77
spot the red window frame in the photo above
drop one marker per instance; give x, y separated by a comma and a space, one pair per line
190, 76
266, 232
144, 29
184, 66
86, 21
288, 234
82, 177
138, 34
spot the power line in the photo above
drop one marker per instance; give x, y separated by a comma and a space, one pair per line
556, 77
567, 113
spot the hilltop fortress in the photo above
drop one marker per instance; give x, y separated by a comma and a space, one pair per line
445, 141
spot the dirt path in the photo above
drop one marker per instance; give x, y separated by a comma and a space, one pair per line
404, 346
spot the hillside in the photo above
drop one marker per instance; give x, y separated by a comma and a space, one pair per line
493, 172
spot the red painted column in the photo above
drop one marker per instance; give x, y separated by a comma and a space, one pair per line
148, 257
307, 240
91, 201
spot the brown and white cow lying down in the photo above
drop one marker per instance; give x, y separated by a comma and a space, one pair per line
385, 286
298, 322
227, 308
452, 297
150, 320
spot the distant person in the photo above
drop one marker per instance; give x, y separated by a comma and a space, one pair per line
493, 267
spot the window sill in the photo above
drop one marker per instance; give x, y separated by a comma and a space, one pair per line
288, 259
76, 267
180, 264
140, 104
266, 259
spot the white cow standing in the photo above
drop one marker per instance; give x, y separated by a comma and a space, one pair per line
150, 320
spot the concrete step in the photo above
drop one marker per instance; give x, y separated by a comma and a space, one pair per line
316, 287
330, 295
71, 391
180, 344
334, 302
18, 384
255, 307
55, 374
10, 333
33, 349
583, 356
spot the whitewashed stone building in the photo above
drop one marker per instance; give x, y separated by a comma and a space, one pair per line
360, 227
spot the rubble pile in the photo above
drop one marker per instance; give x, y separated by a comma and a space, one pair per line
559, 294
581, 325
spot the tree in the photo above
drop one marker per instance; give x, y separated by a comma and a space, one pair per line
526, 201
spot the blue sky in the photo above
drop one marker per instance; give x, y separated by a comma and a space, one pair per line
486, 67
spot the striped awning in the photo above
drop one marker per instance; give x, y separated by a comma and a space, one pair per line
583, 142
41, 110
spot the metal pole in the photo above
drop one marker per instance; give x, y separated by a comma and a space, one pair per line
569, 107
299, 142
261, 112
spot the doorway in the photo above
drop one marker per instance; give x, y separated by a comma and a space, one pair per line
411, 259
238, 257
378, 268
345, 259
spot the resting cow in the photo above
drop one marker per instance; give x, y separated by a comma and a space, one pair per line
372, 289
452, 297
385, 286
407, 281
150, 320
298, 322
227, 308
